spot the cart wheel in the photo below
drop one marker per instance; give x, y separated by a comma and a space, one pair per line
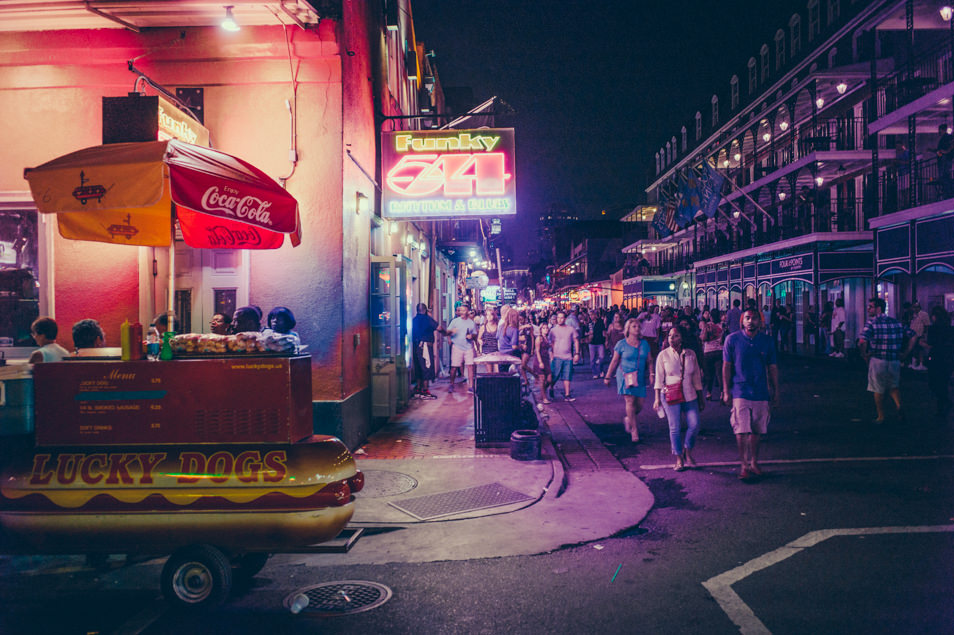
247, 565
197, 577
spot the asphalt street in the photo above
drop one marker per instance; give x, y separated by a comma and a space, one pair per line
850, 531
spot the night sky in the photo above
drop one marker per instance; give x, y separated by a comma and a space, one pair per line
597, 87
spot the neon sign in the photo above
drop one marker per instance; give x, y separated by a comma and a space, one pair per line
448, 173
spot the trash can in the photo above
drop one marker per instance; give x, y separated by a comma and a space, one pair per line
496, 408
525, 445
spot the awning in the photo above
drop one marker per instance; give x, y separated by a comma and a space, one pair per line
125, 193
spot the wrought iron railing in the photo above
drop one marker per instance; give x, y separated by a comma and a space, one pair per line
900, 189
925, 73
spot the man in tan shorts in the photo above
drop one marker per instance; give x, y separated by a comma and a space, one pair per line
750, 386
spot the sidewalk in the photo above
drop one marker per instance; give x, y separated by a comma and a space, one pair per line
577, 492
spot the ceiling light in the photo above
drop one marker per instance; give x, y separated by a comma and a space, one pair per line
819, 180
820, 102
783, 126
946, 13
841, 88
767, 137
944, 101
229, 23
725, 163
781, 196
737, 156
735, 214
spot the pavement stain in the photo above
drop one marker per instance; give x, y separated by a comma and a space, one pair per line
671, 494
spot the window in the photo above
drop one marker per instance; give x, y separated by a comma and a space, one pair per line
764, 55
753, 76
715, 111
685, 139
734, 92
19, 276
795, 29
834, 11
698, 125
779, 49
814, 20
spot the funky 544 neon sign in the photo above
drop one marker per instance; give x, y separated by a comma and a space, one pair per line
448, 173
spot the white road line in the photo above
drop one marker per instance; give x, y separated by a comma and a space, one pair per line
840, 459
143, 619
720, 586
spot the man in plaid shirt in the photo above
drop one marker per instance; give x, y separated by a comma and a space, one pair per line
883, 342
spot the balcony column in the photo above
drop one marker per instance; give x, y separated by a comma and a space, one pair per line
873, 193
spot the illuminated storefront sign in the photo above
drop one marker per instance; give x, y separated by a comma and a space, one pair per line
175, 124
448, 173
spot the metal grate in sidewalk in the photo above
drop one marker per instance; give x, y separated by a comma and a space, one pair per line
459, 501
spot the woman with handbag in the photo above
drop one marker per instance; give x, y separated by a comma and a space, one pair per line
632, 365
679, 390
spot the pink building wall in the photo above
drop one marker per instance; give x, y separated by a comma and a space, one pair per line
51, 84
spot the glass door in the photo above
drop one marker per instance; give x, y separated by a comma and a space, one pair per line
389, 336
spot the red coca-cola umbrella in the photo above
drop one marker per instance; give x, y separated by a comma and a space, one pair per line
126, 193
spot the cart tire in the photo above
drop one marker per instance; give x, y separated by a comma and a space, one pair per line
246, 566
197, 577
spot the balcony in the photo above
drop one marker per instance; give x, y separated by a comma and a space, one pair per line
915, 80
901, 189
795, 219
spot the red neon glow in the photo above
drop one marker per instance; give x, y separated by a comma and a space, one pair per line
458, 174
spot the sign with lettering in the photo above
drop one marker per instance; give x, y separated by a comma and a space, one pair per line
792, 264
448, 173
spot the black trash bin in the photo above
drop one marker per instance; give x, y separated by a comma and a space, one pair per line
496, 408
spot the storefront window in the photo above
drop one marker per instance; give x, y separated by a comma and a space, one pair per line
19, 276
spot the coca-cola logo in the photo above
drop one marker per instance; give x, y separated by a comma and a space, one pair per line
231, 202
220, 236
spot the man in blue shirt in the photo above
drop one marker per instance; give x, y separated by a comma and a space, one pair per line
750, 386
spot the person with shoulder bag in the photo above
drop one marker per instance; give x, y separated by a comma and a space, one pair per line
678, 390
632, 366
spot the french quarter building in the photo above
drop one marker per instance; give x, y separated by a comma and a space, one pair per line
833, 188
303, 91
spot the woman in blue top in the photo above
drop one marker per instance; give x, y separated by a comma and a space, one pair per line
631, 355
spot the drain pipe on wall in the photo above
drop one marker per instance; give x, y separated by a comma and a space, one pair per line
293, 149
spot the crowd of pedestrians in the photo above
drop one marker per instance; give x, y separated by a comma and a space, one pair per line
682, 358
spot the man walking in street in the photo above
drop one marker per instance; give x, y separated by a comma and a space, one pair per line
422, 339
733, 319
462, 330
564, 352
883, 343
649, 322
750, 387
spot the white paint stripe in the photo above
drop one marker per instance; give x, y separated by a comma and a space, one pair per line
839, 459
143, 619
720, 586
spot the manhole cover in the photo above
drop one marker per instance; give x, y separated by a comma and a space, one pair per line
381, 483
459, 501
341, 598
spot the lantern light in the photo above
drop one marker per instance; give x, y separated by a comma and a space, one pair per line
820, 102
819, 180
841, 88
229, 23
783, 126
946, 13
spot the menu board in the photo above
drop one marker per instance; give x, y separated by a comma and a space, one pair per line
230, 400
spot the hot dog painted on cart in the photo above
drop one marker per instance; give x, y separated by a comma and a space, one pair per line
259, 498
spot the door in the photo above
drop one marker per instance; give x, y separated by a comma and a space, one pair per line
390, 348
209, 281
